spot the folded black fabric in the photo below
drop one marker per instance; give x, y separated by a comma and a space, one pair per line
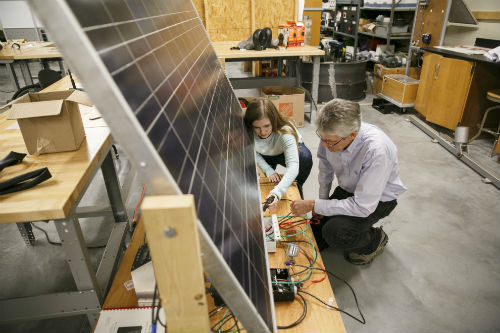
11, 159
24, 181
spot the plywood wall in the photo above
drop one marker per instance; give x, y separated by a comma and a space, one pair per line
236, 20
200, 7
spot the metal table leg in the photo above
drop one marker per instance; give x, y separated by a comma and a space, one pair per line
12, 73
78, 259
315, 79
113, 189
25, 69
26, 231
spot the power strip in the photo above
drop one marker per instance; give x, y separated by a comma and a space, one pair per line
273, 234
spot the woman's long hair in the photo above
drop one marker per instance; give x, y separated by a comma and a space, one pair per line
261, 107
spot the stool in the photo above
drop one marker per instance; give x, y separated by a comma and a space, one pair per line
494, 96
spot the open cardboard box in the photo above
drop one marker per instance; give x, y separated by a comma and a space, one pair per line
50, 122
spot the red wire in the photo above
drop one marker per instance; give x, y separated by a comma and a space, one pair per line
138, 204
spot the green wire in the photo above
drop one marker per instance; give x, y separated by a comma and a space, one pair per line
222, 320
314, 258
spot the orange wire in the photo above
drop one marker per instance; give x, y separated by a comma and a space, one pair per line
138, 204
317, 263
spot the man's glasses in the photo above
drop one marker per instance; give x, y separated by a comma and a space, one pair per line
329, 143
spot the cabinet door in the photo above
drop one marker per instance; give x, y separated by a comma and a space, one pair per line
426, 80
450, 86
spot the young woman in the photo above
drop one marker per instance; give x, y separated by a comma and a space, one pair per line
277, 141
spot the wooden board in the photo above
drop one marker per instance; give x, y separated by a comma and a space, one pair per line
228, 20
9, 53
487, 15
176, 260
223, 50
319, 318
430, 19
70, 171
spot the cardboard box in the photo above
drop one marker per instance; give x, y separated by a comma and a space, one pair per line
50, 122
379, 71
401, 88
288, 100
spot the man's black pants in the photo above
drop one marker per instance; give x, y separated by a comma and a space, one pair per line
351, 233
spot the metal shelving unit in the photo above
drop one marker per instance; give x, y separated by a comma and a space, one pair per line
390, 36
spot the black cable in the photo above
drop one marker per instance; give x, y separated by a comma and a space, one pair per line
153, 309
363, 320
46, 235
158, 313
302, 316
58, 243
309, 259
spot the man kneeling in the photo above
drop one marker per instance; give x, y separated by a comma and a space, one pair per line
366, 164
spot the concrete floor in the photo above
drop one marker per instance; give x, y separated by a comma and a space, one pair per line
439, 272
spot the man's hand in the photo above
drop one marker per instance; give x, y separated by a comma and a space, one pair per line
318, 216
299, 207
274, 178
272, 206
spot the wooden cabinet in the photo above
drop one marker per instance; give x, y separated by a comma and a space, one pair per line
443, 90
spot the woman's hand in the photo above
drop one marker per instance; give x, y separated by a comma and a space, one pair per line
274, 178
274, 203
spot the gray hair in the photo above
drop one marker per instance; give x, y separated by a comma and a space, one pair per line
339, 117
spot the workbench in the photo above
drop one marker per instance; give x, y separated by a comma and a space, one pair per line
57, 199
28, 51
292, 54
318, 319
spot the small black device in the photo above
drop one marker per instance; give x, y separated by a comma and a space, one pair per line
426, 38
218, 301
141, 257
282, 292
267, 203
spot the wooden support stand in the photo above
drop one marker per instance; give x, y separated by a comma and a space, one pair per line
170, 223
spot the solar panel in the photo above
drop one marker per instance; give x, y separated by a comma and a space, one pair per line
152, 72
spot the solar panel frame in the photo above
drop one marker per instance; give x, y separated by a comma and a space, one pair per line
80, 54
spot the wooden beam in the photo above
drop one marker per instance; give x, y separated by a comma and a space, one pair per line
252, 17
170, 223
486, 15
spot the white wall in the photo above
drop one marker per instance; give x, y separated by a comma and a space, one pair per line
16, 15
466, 35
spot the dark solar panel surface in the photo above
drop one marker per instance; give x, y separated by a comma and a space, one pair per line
162, 61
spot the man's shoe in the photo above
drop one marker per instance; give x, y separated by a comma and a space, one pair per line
365, 259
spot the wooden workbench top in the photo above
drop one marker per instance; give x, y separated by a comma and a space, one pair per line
70, 171
318, 319
30, 50
223, 50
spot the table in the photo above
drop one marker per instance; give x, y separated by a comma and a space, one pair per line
57, 199
224, 53
318, 319
28, 51
452, 91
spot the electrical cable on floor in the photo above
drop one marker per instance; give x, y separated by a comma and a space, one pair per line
362, 320
58, 243
302, 316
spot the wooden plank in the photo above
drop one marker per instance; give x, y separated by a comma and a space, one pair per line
487, 15
319, 318
70, 171
223, 50
430, 20
170, 224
